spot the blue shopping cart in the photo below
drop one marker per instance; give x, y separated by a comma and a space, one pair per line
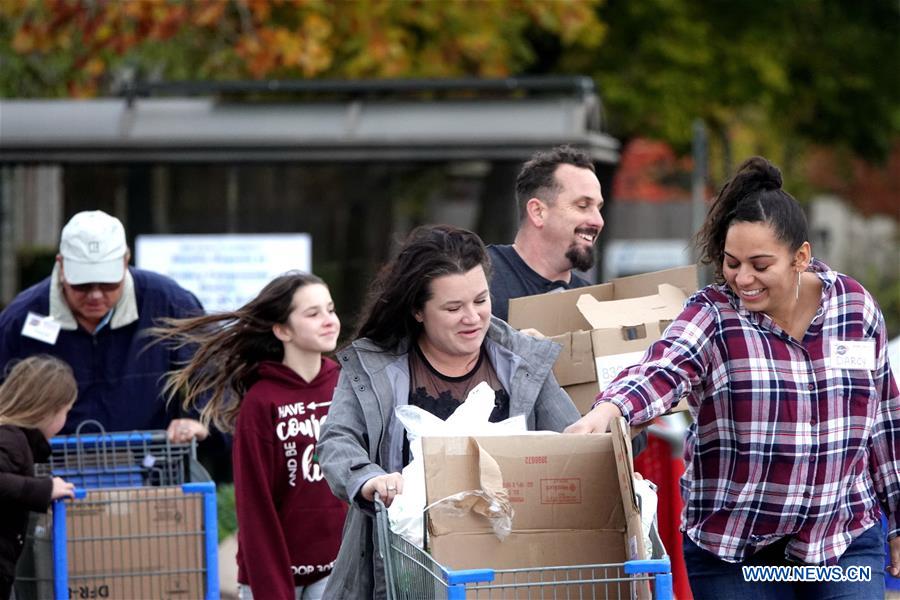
96, 459
143, 523
412, 574
159, 542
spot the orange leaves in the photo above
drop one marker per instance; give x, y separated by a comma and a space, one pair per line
260, 9
51, 26
95, 67
167, 20
304, 48
10, 9
290, 38
316, 55
24, 41
209, 12
153, 20
79, 41
255, 50
136, 9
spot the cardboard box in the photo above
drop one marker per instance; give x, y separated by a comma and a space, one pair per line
572, 501
136, 543
604, 328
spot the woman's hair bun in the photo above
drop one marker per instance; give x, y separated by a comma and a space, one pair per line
759, 173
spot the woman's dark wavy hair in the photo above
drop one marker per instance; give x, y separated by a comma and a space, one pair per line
403, 285
229, 347
753, 195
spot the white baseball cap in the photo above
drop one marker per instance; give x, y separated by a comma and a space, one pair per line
93, 248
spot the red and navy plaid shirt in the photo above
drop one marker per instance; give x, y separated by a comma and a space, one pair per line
782, 444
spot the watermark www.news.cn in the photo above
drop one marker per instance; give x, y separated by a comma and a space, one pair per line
808, 573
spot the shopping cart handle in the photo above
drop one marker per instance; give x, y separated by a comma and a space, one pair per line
79, 494
657, 565
469, 576
94, 439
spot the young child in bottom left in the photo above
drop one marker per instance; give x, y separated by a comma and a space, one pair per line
34, 401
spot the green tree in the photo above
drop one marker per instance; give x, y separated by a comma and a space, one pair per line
843, 67
811, 71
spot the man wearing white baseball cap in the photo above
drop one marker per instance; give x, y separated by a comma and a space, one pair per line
92, 246
92, 312
90, 267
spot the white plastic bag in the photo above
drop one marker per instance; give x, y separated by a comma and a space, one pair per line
645, 490
471, 418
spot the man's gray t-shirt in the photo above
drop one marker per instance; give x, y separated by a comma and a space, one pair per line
512, 278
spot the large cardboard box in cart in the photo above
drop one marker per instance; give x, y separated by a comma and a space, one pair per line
604, 328
136, 543
572, 500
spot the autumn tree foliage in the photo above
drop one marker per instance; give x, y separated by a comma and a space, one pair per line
765, 78
650, 171
812, 71
81, 47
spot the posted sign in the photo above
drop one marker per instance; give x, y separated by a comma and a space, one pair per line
224, 271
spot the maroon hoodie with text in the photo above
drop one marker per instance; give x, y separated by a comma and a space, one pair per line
289, 522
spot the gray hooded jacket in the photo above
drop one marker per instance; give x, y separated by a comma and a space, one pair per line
362, 438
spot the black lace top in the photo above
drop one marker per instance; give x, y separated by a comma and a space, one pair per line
441, 395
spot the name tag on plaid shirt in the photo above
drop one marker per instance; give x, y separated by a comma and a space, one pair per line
852, 354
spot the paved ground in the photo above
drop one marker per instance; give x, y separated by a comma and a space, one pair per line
228, 568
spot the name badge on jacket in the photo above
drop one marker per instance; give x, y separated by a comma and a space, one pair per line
40, 328
852, 354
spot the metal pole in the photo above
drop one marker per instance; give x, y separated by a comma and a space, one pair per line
698, 185
9, 276
232, 199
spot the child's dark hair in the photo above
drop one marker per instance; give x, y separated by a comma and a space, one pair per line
403, 286
753, 195
36, 388
229, 347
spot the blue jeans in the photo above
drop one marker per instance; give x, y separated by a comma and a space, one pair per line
715, 579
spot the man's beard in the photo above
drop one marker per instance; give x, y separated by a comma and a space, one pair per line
581, 258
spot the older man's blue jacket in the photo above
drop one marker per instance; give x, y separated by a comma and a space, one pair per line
120, 373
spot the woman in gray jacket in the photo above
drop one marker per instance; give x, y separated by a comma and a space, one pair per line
427, 338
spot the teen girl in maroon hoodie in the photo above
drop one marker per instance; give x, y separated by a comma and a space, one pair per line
262, 369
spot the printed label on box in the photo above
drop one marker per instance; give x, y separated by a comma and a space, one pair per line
516, 491
561, 491
610, 366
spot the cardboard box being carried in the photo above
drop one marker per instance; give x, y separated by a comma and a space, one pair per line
604, 328
572, 499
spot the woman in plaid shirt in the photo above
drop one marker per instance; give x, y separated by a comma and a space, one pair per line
794, 449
